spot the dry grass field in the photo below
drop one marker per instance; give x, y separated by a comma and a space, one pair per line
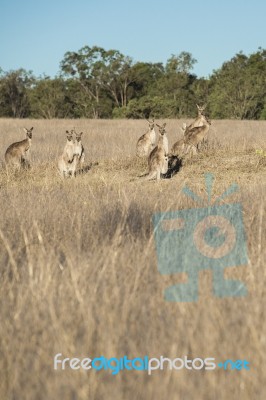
79, 274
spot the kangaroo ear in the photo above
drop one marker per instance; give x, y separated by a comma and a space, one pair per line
164, 125
31, 129
25, 130
158, 126
81, 133
184, 126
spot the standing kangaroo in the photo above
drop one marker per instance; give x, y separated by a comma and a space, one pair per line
200, 120
17, 153
147, 141
68, 161
158, 158
162, 137
79, 150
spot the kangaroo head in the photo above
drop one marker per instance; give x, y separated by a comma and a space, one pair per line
201, 109
78, 136
151, 124
28, 132
162, 130
69, 136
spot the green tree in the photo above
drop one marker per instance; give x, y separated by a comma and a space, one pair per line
14, 90
151, 106
49, 99
101, 74
162, 92
145, 77
182, 63
84, 66
116, 76
201, 90
177, 81
238, 89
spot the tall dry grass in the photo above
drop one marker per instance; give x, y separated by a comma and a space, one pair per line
79, 274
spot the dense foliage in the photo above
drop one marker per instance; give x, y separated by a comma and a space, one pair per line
95, 83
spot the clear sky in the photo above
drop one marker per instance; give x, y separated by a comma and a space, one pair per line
35, 34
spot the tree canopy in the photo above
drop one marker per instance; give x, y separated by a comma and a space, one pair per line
98, 83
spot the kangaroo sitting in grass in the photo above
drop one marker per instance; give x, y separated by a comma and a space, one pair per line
68, 161
147, 141
179, 146
195, 136
16, 155
198, 122
158, 158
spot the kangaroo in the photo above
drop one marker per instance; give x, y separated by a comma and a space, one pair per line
199, 121
195, 136
68, 161
79, 150
163, 137
147, 141
17, 153
158, 158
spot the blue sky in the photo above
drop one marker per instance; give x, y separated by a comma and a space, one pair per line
35, 34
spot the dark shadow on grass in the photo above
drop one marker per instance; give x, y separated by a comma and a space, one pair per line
174, 166
86, 169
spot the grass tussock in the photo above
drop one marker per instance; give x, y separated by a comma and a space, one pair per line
78, 270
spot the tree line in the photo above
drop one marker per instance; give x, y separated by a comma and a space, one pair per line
98, 83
